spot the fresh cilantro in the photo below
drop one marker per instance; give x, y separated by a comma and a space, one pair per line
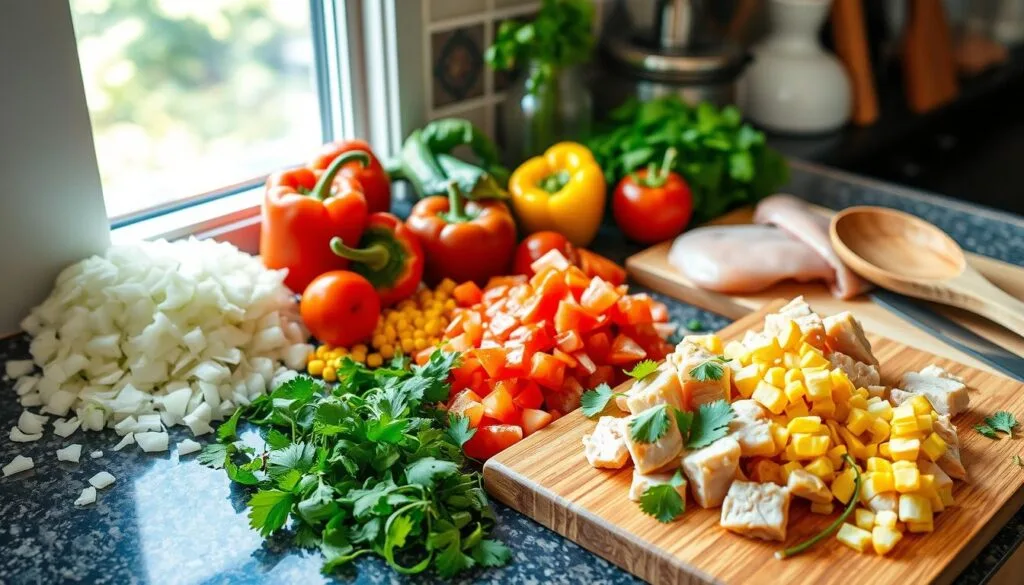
453, 561
269, 509
595, 401
695, 325
684, 421
650, 425
1002, 421
1018, 461
241, 475
491, 553
428, 470
229, 428
213, 455
663, 501
709, 370
458, 429
710, 423
642, 369
986, 431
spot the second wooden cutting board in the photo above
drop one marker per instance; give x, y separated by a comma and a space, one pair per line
651, 268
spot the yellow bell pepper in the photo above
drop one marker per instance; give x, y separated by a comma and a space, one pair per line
563, 190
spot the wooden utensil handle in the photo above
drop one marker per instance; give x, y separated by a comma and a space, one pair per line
988, 300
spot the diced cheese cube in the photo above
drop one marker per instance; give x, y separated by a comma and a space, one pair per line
864, 518
879, 464
930, 490
710, 342
904, 413
882, 409
795, 390
804, 424
874, 483
884, 539
856, 538
790, 360
794, 375
859, 421
789, 468
934, 447
770, 397
906, 478
920, 404
746, 380
903, 428
904, 449
776, 376
818, 382
858, 402
796, 408
824, 408
810, 446
886, 518
842, 486
841, 383
915, 508
821, 467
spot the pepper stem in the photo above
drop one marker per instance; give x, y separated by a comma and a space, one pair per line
656, 177
554, 182
456, 205
322, 189
374, 256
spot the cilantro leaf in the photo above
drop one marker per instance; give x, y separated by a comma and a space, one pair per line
709, 370
276, 439
986, 431
595, 401
491, 553
684, 421
240, 475
650, 425
663, 501
384, 430
297, 456
694, 325
269, 509
213, 455
642, 369
428, 470
458, 429
319, 505
227, 430
710, 423
453, 561
301, 388
1003, 421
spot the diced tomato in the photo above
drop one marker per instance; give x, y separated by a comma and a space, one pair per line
509, 385
510, 280
577, 281
659, 312
632, 310
473, 328
492, 439
552, 259
423, 356
588, 323
595, 265
498, 306
546, 370
551, 283
538, 339
518, 360
455, 326
468, 404
494, 293
458, 343
498, 405
478, 383
462, 376
502, 325
534, 420
625, 350
467, 293
603, 375
584, 361
598, 345
569, 341
569, 317
599, 297
555, 415
492, 360
566, 398
529, 395
568, 360
540, 307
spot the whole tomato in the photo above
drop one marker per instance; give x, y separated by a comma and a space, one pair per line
536, 245
654, 205
340, 308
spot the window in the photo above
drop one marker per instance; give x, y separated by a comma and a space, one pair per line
190, 97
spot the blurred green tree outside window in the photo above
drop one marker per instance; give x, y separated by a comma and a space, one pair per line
191, 96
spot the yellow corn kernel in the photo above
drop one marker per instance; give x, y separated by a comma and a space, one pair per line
930, 491
840, 381
886, 518
856, 538
809, 446
918, 527
904, 449
874, 483
946, 495
780, 434
330, 375
378, 340
904, 413
419, 322
770, 397
883, 450
358, 357
818, 383
359, 348
776, 376
864, 518
859, 421
387, 351
920, 404
842, 486
842, 409
924, 423
408, 347
433, 327
789, 468
320, 351
879, 464
826, 509
790, 335
879, 430
824, 408
795, 390
884, 539
804, 424
315, 367
420, 344
447, 285
374, 360
449, 305
821, 467
797, 408
746, 380
835, 455
789, 453
765, 471
906, 477
934, 447
915, 508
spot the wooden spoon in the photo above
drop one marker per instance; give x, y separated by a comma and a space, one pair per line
904, 253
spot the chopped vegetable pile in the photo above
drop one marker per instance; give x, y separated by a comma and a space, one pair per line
365, 467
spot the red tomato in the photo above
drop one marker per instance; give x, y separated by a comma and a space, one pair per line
467, 293
534, 420
597, 265
492, 439
492, 360
340, 308
468, 404
529, 395
625, 351
498, 405
568, 341
599, 297
650, 209
536, 245
547, 370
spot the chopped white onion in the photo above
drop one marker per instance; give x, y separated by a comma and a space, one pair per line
149, 422
33, 399
31, 423
96, 454
18, 368
65, 428
152, 442
25, 384
126, 426
88, 497
17, 465
18, 436
101, 480
187, 447
70, 453
128, 439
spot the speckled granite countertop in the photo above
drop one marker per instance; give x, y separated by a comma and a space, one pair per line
167, 521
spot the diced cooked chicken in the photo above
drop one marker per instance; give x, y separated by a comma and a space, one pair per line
927, 467
689, 355
843, 333
643, 481
756, 510
885, 502
809, 486
712, 470
606, 447
946, 395
797, 310
936, 371
661, 455
752, 429
861, 374
950, 461
663, 388
754, 339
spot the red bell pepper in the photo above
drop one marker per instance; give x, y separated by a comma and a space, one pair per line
463, 240
390, 257
303, 210
372, 176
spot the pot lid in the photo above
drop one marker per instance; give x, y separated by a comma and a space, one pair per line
700, 62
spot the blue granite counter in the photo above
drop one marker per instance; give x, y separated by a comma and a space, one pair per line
167, 521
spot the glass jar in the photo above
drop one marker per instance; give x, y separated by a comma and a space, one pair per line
559, 108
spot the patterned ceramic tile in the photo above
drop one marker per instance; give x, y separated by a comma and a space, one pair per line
458, 64
444, 9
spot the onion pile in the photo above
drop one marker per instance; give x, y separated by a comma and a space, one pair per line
157, 334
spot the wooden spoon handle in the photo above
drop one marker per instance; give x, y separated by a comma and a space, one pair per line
985, 298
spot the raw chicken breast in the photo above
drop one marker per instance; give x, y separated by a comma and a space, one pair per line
798, 311
711, 471
654, 390
792, 215
756, 510
950, 461
745, 258
946, 395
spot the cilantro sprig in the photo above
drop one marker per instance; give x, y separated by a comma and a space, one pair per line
1001, 421
366, 467
642, 369
594, 402
699, 429
663, 501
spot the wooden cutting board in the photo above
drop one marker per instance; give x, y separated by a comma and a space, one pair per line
651, 268
546, 477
